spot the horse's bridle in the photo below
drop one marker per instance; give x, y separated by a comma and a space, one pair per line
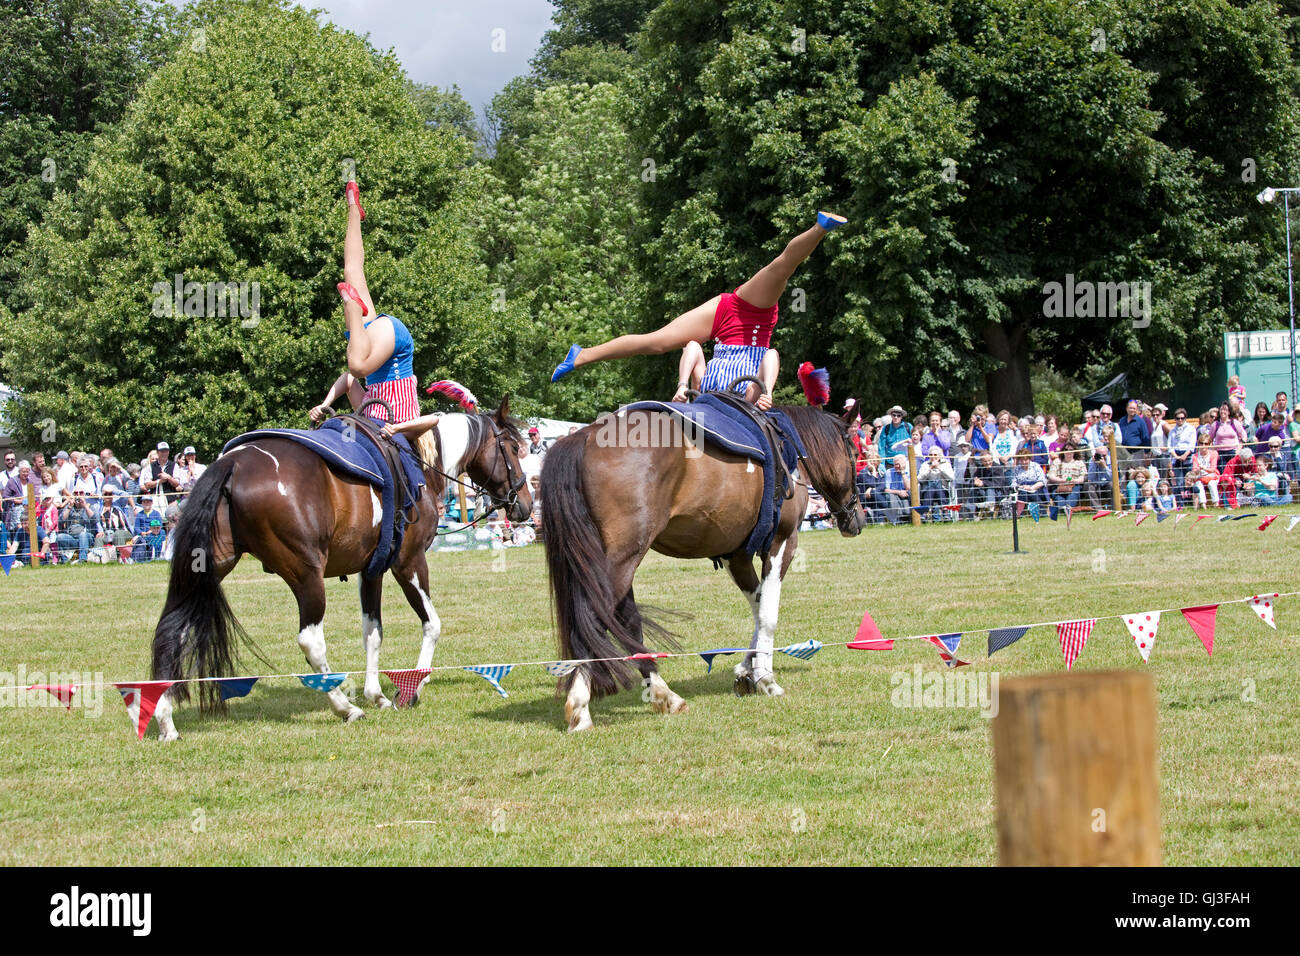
512, 494
832, 509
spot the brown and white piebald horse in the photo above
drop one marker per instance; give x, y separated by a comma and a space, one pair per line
605, 504
278, 501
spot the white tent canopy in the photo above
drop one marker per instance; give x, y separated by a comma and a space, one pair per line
552, 428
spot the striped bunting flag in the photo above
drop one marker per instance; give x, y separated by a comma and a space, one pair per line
1268, 520
494, 674
561, 668
407, 683
1073, 635
947, 645
1263, 606
1140, 518
322, 682
803, 651
1143, 626
1293, 522
231, 687
719, 652
1001, 637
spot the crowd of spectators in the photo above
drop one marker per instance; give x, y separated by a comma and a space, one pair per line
92, 508
991, 464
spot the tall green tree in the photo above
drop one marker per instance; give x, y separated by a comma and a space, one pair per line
229, 168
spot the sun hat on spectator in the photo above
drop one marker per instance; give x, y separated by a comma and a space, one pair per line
163, 446
189, 450
897, 408
1161, 405
61, 456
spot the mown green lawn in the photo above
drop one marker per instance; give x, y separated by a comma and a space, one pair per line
832, 773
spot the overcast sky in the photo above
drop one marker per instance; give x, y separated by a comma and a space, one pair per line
445, 42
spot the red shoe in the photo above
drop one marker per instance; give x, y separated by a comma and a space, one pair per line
353, 192
348, 292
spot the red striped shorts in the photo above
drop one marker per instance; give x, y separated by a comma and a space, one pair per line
400, 395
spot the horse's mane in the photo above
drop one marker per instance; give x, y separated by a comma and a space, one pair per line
822, 432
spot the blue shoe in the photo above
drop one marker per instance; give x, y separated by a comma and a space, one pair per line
829, 221
565, 367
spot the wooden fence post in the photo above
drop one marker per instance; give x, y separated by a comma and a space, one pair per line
1114, 471
1075, 763
34, 558
914, 493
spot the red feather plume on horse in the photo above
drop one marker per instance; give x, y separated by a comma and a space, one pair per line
454, 390
816, 384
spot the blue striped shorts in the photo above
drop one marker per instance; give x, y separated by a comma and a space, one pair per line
729, 363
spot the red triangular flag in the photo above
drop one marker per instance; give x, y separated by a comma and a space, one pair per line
63, 692
407, 683
1268, 520
1202, 621
1101, 514
948, 659
1262, 604
141, 698
869, 637
1140, 518
1199, 519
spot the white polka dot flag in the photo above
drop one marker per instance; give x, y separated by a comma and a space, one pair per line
494, 674
141, 698
1143, 628
1073, 635
1263, 606
407, 683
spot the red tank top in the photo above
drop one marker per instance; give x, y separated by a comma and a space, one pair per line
736, 322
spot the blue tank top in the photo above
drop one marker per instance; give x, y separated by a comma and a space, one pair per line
401, 365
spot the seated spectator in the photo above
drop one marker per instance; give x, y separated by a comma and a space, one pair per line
1237, 477
1269, 490
871, 482
148, 531
1164, 501
897, 490
988, 479
1099, 485
1066, 481
1030, 483
961, 462
133, 482
935, 477
77, 522
115, 524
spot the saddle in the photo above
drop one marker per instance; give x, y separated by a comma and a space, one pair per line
389, 465
730, 423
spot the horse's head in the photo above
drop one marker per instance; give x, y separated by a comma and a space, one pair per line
494, 466
830, 463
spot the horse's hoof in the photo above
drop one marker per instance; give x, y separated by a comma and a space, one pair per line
744, 686
769, 687
678, 706
355, 714
168, 738
584, 723
381, 702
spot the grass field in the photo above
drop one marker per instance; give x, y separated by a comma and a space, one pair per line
832, 773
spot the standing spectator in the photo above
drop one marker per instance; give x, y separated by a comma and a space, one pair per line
981, 431
64, 471
13, 509
1236, 391
114, 477
38, 470
1051, 432
1003, 443
1161, 456
193, 466
1066, 481
536, 447
87, 485
935, 477
1034, 446
160, 478
1274, 427
11, 467
961, 461
1258, 421
133, 481
1226, 434
936, 436
1280, 404
1182, 446
952, 424
1134, 435
894, 436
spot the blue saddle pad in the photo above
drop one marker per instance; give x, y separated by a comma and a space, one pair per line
355, 456
733, 431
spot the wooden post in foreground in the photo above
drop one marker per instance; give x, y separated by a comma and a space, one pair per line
34, 558
1075, 762
460, 492
914, 489
1114, 471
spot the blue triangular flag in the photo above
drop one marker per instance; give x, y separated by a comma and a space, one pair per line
1226, 517
6, 562
322, 682
232, 687
1161, 516
710, 655
1253, 514
1034, 511
1005, 636
561, 668
494, 674
950, 641
803, 651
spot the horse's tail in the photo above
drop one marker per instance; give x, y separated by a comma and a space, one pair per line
586, 614
197, 635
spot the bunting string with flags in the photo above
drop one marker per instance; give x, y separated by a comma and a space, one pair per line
407, 683
141, 697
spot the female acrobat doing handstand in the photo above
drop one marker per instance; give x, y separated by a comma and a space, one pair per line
741, 321
380, 351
